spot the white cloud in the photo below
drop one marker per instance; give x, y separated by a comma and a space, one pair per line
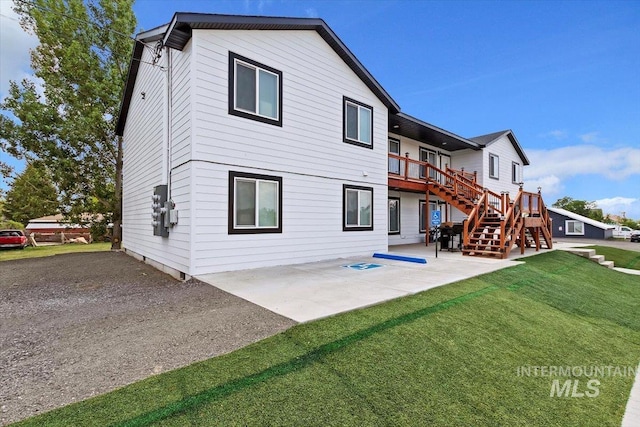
617, 205
551, 185
14, 55
311, 12
564, 162
589, 137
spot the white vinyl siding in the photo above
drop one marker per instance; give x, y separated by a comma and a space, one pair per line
145, 160
312, 225
307, 152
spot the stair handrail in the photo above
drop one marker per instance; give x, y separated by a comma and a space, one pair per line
470, 190
471, 178
471, 223
511, 221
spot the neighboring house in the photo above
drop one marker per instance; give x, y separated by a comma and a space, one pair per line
259, 141
53, 224
570, 224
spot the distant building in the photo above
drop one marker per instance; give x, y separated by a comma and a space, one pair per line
570, 224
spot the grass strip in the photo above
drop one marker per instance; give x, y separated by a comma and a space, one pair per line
295, 364
620, 257
43, 251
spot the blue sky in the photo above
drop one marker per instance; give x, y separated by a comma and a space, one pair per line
563, 75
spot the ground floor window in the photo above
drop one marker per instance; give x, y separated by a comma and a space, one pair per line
424, 223
357, 208
574, 228
394, 215
255, 203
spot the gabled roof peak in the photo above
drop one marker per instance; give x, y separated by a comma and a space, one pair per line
490, 138
177, 33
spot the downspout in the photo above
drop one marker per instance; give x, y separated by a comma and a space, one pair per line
169, 113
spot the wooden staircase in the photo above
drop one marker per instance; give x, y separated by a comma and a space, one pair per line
495, 223
492, 230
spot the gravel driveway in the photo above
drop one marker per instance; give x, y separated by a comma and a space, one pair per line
77, 325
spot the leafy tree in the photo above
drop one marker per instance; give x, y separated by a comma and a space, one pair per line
66, 118
32, 195
630, 223
581, 207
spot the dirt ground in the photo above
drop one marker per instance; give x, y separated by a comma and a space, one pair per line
77, 325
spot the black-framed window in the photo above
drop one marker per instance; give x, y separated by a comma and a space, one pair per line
394, 163
394, 215
494, 166
357, 208
255, 90
515, 172
358, 123
255, 203
422, 214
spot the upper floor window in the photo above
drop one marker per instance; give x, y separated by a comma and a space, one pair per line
494, 167
515, 172
255, 90
358, 123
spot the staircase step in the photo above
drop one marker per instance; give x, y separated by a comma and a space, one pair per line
608, 264
597, 258
472, 252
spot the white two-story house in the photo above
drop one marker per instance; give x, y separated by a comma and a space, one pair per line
261, 141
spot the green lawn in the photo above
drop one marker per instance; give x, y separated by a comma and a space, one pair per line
40, 251
448, 356
620, 257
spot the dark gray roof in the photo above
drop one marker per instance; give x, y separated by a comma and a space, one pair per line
486, 140
177, 33
410, 127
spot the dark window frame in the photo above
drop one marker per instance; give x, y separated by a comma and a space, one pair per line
345, 227
496, 171
515, 172
392, 233
359, 143
232, 229
233, 57
393, 160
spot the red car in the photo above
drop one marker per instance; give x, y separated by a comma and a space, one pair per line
12, 239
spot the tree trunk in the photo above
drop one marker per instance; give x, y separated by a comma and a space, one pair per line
116, 237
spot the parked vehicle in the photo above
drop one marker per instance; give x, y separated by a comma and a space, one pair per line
635, 237
624, 232
12, 239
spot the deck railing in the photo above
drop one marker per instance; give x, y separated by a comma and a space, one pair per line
418, 171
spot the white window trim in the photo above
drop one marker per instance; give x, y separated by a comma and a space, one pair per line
359, 106
359, 226
573, 233
235, 87
234, 60
234, 227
